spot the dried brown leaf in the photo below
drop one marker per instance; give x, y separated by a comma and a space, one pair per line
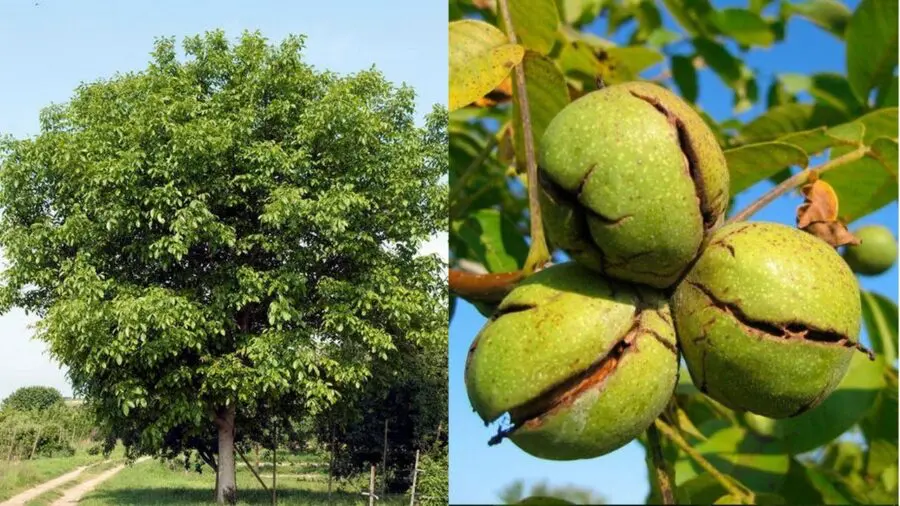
818, 214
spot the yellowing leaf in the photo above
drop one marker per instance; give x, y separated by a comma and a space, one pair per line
480, 59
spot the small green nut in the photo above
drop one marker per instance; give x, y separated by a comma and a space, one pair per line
768, 319
581, 364
875, 254
632, 179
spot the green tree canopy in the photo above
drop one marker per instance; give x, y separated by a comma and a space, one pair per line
33, 398
210, 234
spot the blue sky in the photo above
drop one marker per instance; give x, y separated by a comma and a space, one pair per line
478, 472
47, 47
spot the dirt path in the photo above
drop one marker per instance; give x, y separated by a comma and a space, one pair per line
33, 492
74, 494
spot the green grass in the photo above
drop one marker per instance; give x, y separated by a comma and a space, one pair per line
155, 483
16, 477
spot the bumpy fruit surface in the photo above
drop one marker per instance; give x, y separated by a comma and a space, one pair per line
767, 319
877, 252
581, 364
632, 178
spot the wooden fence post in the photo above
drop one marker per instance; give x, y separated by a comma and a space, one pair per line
331, 463
372, 487
275, 468
12, 443
384, 474
412, 495
38, 438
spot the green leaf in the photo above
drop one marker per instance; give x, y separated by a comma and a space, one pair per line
887, 95
880, 123
867, 184
690, 14
620, 64
871, 46
786, 119
776, 122
743, 26
841, 410
578, 12
843, 458
649, 20
756, 462
851, 133
880, 316
831, 15
825, 487
779, 94
547, 95
661, 37
700, 489
685, 76
880, 430
723, 63
797, 487
752, 163
480, 58
492, 240
834, 90
811, 141
535, 23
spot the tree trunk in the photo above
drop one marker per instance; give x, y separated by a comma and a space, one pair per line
226, 486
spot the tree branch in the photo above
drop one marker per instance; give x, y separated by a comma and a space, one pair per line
471, 168
730, 486
483, 287
796, 180
538, 254
662, 474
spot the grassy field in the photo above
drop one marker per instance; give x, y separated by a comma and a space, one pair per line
156, 483
18, 476
302, 479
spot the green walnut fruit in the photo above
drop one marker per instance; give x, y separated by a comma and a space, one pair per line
582, 365
631, 178
875, 254
768, 319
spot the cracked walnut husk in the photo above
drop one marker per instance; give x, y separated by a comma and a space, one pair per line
632, 179
581, 364
768, 319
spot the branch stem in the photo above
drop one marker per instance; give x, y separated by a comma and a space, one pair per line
483, 287
538, 253
660, 467
798, 179
730, 486
472, 168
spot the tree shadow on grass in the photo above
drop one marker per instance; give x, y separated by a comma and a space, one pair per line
193, 496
